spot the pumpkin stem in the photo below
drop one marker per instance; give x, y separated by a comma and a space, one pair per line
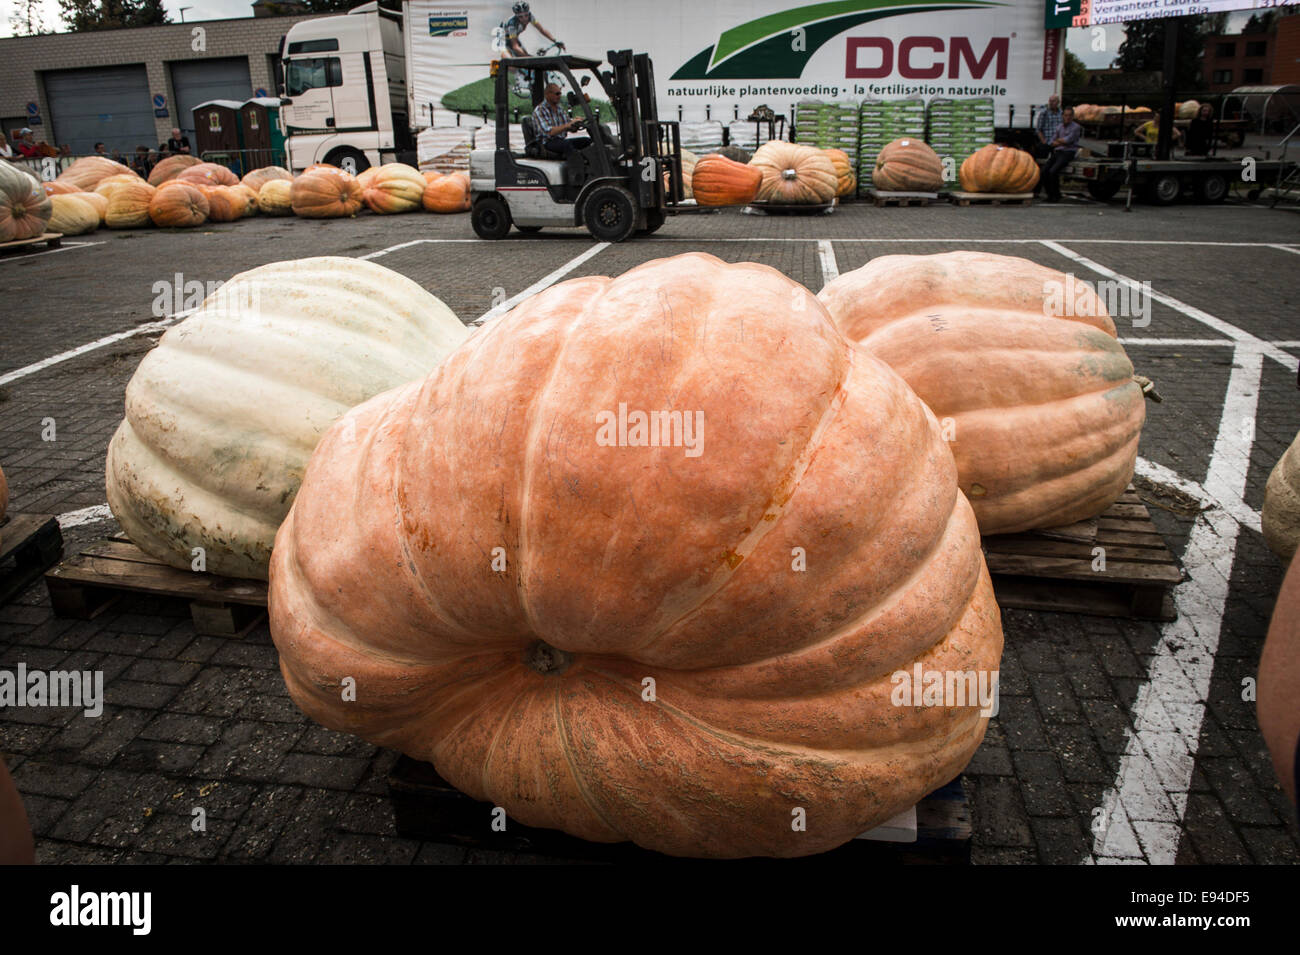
546, 659
789, 174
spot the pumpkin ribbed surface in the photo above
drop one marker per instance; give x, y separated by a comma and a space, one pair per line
128, 205
273, 198
208, 174
109, 183
719, 181
171, 167
845, 176
1280, 516
222, 416
994, 168
224, 203
178, 205
907, 165
524, 684
72, 215
57, 188
95, 199
258, 178
25, 209
325, 193
87, 172
445, 194
394, 187
794, 174
1044, 414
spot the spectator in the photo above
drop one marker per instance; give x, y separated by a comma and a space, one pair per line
26, 145
100, 150
1200, 131
1064, 146
1150, 130
6, 151
178, 145
141, 163
1046, 125
553, 124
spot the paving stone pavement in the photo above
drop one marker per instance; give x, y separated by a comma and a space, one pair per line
197, 722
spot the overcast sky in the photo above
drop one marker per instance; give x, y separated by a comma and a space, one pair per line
1079, 42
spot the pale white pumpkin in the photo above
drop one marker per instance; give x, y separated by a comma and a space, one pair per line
1280, 516
73, 215
223, 415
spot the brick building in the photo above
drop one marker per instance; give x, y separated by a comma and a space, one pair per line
101, 86
1253, 59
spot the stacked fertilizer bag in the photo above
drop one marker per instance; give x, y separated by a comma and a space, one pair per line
958, 127
701, 136
881, 122
828, 126
749, 135
485, 137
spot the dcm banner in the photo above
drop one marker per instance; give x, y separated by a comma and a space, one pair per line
733, 55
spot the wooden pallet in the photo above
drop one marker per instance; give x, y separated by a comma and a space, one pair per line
1053, 569
51, 240
794, 209
991, 198
92, 579
29, 545
425, 806
880, 199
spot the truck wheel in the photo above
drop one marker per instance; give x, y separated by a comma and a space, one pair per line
610, 213
354, 158
490, 218
1212, 188
1163, 190
1105, 189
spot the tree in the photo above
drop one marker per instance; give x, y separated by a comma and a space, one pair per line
1259, 22
26, 18
1143, 49
86, 15
1074, 75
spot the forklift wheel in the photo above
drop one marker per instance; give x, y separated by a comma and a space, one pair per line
490, 218
654, 218
610, 214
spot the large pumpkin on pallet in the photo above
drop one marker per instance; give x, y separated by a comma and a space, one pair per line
995, 168
325, 193
445, 194
394, 187
178, 205
25, 209
72, 215
600, 619
171, 167
907, 165
1040, 404
794, 174
87, 172
1280, 516
719, 181
847, 180
128, 205
222, 416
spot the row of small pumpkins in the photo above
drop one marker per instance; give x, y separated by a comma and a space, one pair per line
441, 523
183, 192
792, 173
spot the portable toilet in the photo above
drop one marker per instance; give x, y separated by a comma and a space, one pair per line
216, 128
259, 120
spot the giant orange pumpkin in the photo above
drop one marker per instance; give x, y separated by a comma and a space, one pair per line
719, 181
57, 188
907, 165
258, 178
1037, 395
325, 193
681, 631
128, 205
794, 174
446, 194
847, 179
109, 183
178, 205
171, 167
224, 203
994, 168
86, 172
208, 174
393, 187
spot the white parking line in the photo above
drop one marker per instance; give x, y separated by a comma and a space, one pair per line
1284, 248
91, 346
830, 269
64, 247
545, 281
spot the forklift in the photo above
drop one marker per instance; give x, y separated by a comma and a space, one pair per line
622, 184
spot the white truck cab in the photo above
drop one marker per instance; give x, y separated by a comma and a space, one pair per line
344, 97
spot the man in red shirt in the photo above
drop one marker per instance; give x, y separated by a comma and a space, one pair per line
25, 145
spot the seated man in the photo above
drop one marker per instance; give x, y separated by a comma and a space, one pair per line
553, 123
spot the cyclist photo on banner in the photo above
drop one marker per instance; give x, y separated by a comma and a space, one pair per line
506, 41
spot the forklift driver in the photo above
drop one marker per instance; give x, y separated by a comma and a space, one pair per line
553, 124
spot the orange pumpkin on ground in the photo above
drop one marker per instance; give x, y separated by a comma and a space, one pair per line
25, 209
180, 205
325, 193
848, 180
794, 174
907, 165
1023, 367
87, 172
446, 194
225, 204
996, 168
208, 174
128, 205
250, 197
719, 181
171, 167
394, 187
273, 198
109, 183
258, 178
524, 687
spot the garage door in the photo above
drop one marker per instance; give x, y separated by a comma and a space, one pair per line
197, 81
108, 104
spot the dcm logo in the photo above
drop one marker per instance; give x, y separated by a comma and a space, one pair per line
923, 57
